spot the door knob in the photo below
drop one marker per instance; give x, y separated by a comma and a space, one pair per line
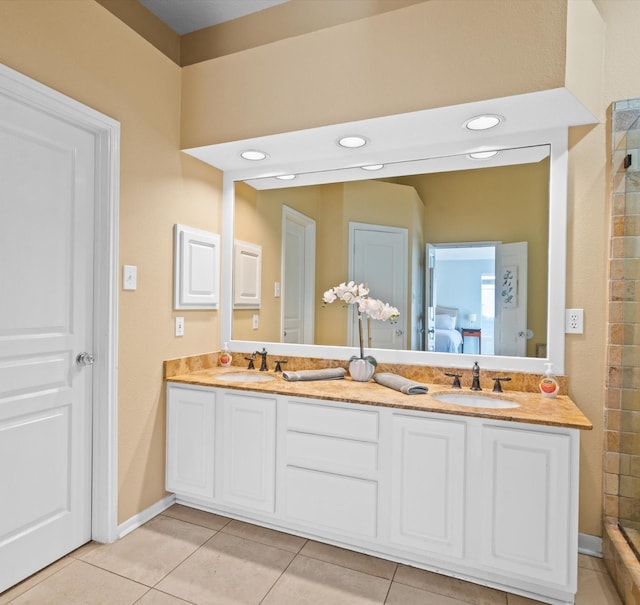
85, 359
399, 332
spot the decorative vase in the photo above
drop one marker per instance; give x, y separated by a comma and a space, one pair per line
361, 370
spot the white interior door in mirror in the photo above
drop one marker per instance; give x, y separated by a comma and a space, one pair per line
511, 299
379, 258
298, 276
196, 269
247, 275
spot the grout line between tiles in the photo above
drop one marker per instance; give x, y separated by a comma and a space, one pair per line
295, 556
168, 594
38, 582
462, 598
114, 573
308, 556
215, 533
163, 514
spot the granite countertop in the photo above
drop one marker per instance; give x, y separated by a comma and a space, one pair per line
534, 408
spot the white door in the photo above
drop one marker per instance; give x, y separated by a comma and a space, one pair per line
46, 277
298, 277
511, 300
378, 257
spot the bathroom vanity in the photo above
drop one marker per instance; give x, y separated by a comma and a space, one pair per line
490, 496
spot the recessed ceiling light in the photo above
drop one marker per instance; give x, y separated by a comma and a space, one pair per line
483, 122
254, 155
352, 141
373, 167
482, 155
286, 177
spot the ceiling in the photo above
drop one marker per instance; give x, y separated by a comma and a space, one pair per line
186, 16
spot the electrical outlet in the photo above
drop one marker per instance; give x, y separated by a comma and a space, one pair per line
255, 321
574, 321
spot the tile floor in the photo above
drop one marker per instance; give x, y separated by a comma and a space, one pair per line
185, 556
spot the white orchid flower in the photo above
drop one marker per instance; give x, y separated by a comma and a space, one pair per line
329, 296
376, 309
352, 293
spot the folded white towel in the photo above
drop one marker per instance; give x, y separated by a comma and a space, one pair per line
326, 374
400, 383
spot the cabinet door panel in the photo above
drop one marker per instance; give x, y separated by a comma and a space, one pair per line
249, 432
428, 484
190, 442
338, 503
526, 503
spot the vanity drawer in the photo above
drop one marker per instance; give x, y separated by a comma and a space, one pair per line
334, 454
344, 505
332, 421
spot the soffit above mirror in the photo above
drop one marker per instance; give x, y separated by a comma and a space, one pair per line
399, 138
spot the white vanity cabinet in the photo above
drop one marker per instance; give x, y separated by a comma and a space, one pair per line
428, 484
248, 450
490, 501
528, 503
190, 456
331, 468
221, 447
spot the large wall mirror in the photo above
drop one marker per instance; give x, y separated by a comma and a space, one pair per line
459, 224
468, 229
436, 245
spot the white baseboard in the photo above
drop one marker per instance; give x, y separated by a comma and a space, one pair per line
146, 515
587, 544
590, 545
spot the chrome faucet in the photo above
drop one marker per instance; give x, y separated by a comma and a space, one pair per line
475, 385
263, 363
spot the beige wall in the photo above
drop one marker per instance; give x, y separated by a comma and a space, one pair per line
357, 70
82, 50
293, 18
404, 60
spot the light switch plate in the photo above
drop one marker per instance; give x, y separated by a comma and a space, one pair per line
129, 277
179, 326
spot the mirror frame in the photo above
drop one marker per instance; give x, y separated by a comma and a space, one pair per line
557, 139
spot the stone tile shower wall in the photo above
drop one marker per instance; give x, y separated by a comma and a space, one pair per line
622, 406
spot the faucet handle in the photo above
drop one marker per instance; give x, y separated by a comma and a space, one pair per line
456, 379
251, 360
278, 362
497, 387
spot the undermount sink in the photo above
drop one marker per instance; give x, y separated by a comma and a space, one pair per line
245, 377
473, 400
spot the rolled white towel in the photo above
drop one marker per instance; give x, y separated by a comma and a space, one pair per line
400, 383
325, 374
